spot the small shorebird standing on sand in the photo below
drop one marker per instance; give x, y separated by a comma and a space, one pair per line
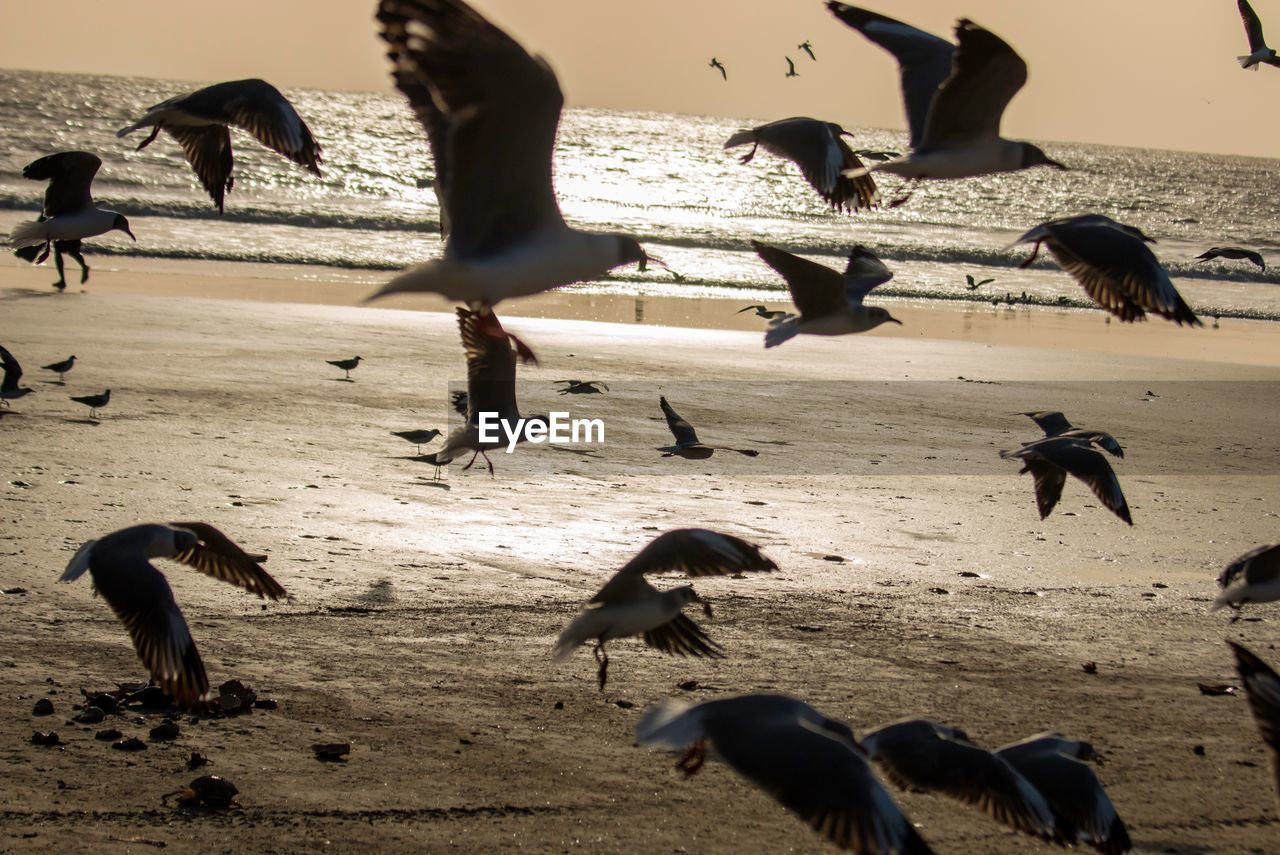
820, 151
69, 214
687, 444
418, 437
201, 122
1054, 423
1258, 50
1235, 253
9, 388
1052, 459
629, 605
61, 367
345, 365
830, 302
1262, 685
718, 66
1252, 578
143, 601
809, 763
94, 402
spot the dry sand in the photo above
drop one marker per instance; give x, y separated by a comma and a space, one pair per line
423, 612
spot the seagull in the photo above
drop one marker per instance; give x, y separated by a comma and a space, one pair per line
490, 111
1235, 253
418, 437
1252, 578
973, 284
1114, 265
9, 388
791, 68
1258, 50
583, 387
201, 123
94, 402
716, 64
346, 365
925, 756
61, 367
687, 444
822, 155
807, 47
69, 214
809, 763
143, 601
1055, 424
1082, 811
629, 605
830, 302
1262, 685
1050, 460
491, 388
954, 98
763, 312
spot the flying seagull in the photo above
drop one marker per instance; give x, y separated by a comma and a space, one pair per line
791, 68
490, 111
927, 757
1054, 423
345, 365
1258, 50
807, 47
687, 444
764, 312
583, 387
1262, 685
1235, 253
201, 123
954, 98
9, 388
830, 302
1082, 811
418, 437
143, 601
718, 66
1052, 459
1252, 578
629, 605
822, 155
69, 214
61, 368
1112, 262
972, 284
809, 763
94, 402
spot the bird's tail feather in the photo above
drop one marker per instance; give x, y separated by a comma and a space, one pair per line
783, 330
31, 233
1244, 62
667, 725
741, 138
78, 564
28, 253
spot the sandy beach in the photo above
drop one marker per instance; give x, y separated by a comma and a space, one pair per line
916, 578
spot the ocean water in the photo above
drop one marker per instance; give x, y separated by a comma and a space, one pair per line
661, 177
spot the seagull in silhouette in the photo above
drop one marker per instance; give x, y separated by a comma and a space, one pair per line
791, 68
687, 444
972, 284
1258, 50
201, 123
141, 597
628, 605
764, 312
830, 302
807, 47
1252, 578
1052, 459
61, 368
1054, 423
820, 151
9, 388
418, 437
583, 387
345, 365
69, 214
716, 64
1235, 253
94, 402
810, 764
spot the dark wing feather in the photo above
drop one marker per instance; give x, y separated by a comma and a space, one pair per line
12, 370
218, 556
680, 429
1052, 423
1080, 805
986, 74
208, 150
681, 636
1252, 25
699, 552
261, 109
491, 366
810, 145
70, 176
816, 290
1262, 685
1050, 460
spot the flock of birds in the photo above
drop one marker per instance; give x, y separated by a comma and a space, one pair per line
490, 111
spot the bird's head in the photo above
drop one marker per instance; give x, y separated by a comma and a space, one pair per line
1033, 155
879, 316
685, 594
121, 224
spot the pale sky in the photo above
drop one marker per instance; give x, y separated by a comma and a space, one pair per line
1149, 73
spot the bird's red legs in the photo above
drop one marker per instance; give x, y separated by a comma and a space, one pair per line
693, 759
149, 140
902, 200
1035, 251
746, 158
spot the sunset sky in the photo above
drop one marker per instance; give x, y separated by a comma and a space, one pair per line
1149, 73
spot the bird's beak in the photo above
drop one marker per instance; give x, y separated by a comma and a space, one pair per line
130, 234
894, 320
1048, 161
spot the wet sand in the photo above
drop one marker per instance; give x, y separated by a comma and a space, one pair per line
423, 612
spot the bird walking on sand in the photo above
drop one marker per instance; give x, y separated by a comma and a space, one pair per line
830, 302
807, 47
687, 444
1235, 253
61, 368
94, 402
345, 365
628, 605
719, 66
1262, 685
418, 437
201, 123
1252, 578
69, 214
764, 312
1054, 423
583, 387
791, 68
9, 388
143, 601
1258, 50
820, 151
1052, 459
810, 764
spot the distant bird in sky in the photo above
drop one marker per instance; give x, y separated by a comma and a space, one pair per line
807, 47
973, 284
1252, 578
629, 605
61, 368
718, 66
201, 122
820, 151
1052, 459
830, 302
791, 68
1113, 264
583, 387
687, 444
94, 402
1258, 50
1235, 253
418, 437
1262, 685
69, 214
490, 111
1054, 423
955, 97
141, 597
345, 365
9, 388
763, 312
